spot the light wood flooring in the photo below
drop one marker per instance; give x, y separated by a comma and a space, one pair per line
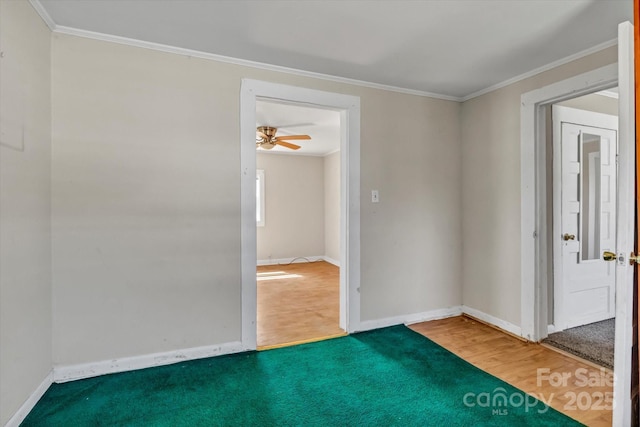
517, 362
298, 303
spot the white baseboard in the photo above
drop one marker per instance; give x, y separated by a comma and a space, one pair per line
410, 318
75, 372
86, 370
290, 260
297, 260
28, 405
440, 314
502, 324
551, 329
331, 261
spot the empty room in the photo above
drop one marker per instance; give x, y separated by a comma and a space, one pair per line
317, 212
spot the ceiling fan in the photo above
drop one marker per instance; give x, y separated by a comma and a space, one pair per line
266, 138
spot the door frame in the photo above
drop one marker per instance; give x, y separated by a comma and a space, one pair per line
534, 243
581, 118
535, 248
349, 108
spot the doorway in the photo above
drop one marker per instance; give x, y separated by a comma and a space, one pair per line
583, 173
537, 271
298, 224
584, 210
348, 108
535, 246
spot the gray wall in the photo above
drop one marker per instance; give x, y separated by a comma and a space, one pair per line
25, 205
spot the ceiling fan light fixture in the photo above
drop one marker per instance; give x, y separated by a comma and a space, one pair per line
267, 131
266, 138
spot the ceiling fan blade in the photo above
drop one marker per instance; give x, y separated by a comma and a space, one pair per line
262, 135
279, 138
286, 144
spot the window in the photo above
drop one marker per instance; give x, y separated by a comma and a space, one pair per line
260, 198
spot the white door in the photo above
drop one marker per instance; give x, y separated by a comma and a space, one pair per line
625, 228
585, 146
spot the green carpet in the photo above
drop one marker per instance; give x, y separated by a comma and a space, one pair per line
390, 376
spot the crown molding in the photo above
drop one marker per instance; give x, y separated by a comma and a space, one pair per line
37, 5
242, 62
43, 14
551, 65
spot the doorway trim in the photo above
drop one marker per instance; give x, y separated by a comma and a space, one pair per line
349, 108
534, 245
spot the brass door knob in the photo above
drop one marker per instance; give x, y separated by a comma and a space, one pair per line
568, 236
609, 256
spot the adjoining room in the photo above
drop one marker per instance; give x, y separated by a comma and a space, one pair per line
298, 224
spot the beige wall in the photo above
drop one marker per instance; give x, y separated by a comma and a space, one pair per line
143, 193
332, 206
146, 200
491, 190
25, 205
411, 239
302, 207
140, 200
294, 217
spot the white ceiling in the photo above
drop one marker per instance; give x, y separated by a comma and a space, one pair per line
449, 48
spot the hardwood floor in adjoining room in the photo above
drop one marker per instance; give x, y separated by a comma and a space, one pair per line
582, 395
298, 303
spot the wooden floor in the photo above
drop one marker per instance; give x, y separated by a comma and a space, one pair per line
584, 394
298, 303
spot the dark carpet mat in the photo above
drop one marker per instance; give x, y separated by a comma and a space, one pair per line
593, 342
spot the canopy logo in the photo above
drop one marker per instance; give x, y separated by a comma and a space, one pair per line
500, 401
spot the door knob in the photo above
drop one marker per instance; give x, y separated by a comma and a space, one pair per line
610, 256
568, 236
